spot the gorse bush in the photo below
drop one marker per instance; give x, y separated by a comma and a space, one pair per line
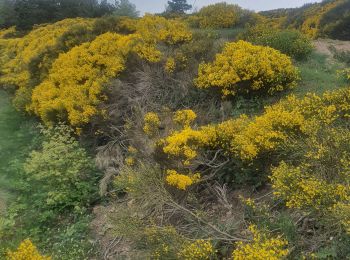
289, 42
181, 181
243, 138
151, 123
262, 247
243, 68
26, 251
74, 87
199, 249
220, 15
248, 139
28, 59
156, 30
318, 180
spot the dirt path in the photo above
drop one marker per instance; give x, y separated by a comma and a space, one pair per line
324, 45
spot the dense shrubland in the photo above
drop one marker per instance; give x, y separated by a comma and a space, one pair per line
326, 19
203, 149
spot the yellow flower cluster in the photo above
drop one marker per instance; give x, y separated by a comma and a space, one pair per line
300, 189
153, 30
26, 251
74, 87
184, 144
243, 68
151, 123
163, 242
130, 159
181, 181
184, 117
198, 250
41, 43
243, 137
170, 65
262, 247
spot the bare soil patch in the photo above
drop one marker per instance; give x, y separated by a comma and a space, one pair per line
323, 46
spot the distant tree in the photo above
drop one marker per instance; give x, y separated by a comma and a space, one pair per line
7, 13
31, 12
178, 6
26, 13
125, 8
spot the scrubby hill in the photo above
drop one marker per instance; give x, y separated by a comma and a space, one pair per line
159, 141
330, 18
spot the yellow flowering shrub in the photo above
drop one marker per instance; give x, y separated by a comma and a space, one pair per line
181, 181
244, 68
6, 32
170, 65
319, 110
243, 137
198, 250
40, 46
74, 87
153, 30
319, 179
163, 242
185, 144
130, 161
131, 156
184, 117
151, 123
8, 49
247, 138
262, 247
26, 251
220, 15
300, 189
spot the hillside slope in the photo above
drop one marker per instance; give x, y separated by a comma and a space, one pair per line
330, 18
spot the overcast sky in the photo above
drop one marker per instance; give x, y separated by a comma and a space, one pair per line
156, 6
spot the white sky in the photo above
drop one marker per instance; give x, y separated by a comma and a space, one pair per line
157, 6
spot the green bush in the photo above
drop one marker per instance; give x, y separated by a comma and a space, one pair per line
289, 42
341, 55
63, 174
